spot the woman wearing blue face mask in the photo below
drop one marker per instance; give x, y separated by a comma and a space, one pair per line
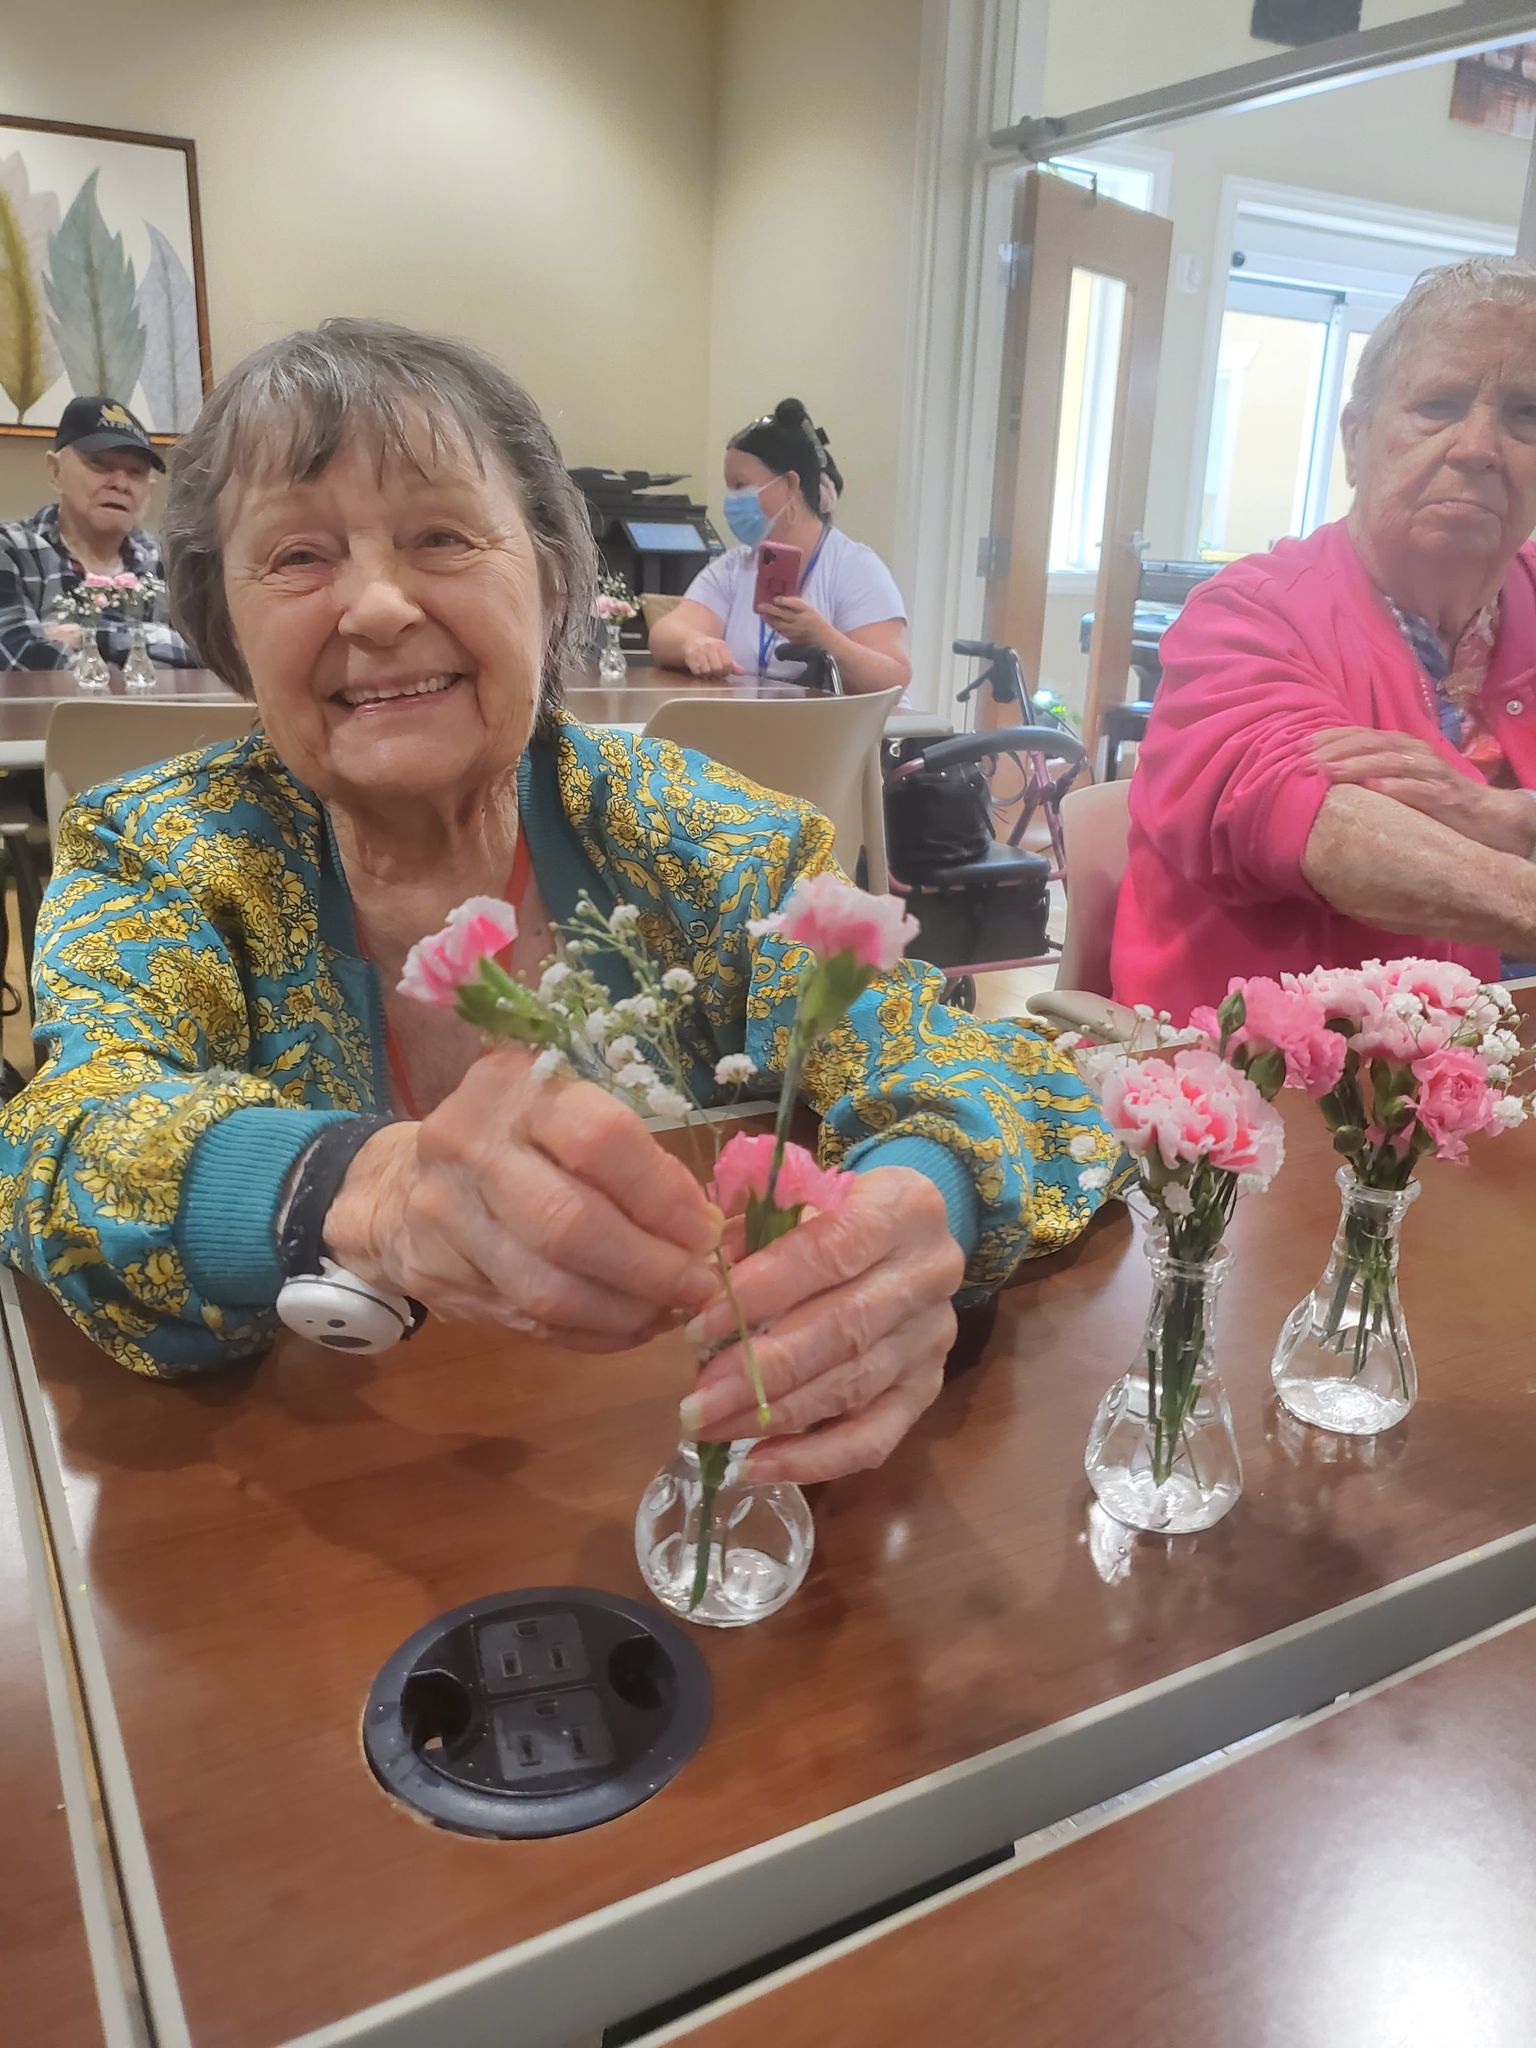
781, 485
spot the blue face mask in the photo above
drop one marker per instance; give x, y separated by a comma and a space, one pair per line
745, 516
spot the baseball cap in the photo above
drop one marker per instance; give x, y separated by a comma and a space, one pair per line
90, 424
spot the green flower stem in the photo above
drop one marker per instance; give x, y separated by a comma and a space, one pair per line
714, 1459
1171, 1363
1369, 1262
759, 1392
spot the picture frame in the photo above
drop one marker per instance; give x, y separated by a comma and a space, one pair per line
101, 275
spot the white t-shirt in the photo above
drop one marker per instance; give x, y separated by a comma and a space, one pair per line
848, 584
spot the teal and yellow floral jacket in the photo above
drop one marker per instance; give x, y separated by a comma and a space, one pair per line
203, 1006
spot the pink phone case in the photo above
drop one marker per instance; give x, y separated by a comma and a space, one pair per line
778, 573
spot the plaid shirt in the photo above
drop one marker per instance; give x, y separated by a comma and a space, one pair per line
36, 568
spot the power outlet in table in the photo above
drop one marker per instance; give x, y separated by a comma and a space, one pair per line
531, 1652
557, 1735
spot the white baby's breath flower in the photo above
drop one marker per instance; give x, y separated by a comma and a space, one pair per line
1145, 1012
1499, 1077
635, 1009
595, 1027
762, 927
1252, 1183
734, 1070
551, 1061
1092, 1178
620, 1051
638, 1075
664, 1101
1500, 1048
1069, 1041
1511, 1112
556, 972
1177, 1199
625, 919
1082, 1147
679, 981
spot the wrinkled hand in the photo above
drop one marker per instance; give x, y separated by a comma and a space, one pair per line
711, 658
855, 1320
793, 619
546, 1206
1412, 772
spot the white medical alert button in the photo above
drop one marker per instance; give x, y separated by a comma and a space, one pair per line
1515, 706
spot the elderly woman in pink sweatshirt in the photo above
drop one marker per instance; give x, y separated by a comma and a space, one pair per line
1343, 753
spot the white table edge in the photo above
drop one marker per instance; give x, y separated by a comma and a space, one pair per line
101, 1903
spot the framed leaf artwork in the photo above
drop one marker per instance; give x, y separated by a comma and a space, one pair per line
101, 275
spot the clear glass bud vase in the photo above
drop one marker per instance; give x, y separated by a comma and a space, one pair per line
90, 671
1162, 1454
613, 664
1344, 1361
757, 1548
138, 667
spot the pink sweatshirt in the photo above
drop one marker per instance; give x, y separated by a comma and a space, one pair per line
1274, 649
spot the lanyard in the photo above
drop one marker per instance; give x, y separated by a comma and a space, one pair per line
399, 1078
765, 633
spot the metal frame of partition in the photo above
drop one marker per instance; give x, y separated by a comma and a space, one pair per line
1341, 60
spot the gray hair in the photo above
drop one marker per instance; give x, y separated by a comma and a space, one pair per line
287, 409
1436, 296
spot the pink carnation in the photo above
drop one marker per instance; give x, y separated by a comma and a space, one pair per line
1404, 1032
1197, 1109
744, 1165
1454, 1100
98, 583
1439, 984
437, 967
1294, 1023
830, 916
1348, 995
127, 581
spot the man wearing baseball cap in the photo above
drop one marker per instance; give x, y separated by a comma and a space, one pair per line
100, 465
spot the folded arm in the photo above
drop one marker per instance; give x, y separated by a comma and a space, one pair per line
1386, 864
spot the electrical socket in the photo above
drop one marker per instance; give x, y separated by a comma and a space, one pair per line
531, 1653
553, 1735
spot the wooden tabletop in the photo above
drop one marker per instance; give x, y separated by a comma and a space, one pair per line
975, 1650
1366, 1882
47, 1992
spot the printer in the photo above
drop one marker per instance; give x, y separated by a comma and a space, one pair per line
657, 539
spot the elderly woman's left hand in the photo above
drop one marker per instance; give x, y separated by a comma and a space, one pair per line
855, 1318
795, 620
1412, 772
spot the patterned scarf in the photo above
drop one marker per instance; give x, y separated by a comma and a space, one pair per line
1457, 682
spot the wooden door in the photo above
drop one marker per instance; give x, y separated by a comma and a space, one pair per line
1060, 227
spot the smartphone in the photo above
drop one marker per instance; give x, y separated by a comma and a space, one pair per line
778, 573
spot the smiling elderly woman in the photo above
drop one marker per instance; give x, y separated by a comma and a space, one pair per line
1343, 749
370, 530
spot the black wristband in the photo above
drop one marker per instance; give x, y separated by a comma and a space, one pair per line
313, 1183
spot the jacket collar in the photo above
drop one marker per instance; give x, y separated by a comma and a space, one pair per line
140, 551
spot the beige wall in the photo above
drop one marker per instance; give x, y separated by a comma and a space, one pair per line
813, 232
538, 177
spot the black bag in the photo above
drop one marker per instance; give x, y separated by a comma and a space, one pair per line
936, 818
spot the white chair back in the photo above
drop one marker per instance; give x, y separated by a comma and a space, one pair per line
91, 741
825, 750
1095, 824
